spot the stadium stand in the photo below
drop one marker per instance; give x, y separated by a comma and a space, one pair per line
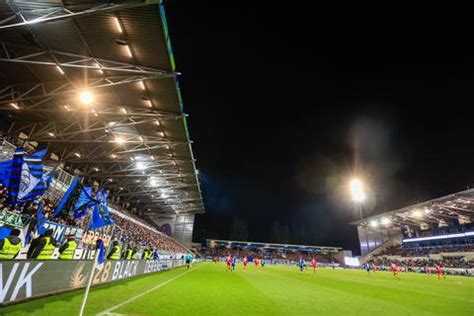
129, 230
417, 237
273, 253
94, 143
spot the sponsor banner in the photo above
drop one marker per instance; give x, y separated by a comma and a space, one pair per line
25, 279
90, 237
12, 219
61, 231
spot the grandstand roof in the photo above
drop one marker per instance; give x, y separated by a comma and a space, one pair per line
459, 206
251, 244
133, 136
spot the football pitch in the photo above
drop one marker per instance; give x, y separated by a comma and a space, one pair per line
208, 289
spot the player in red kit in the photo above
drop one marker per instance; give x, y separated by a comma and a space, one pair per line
394, 268
314, 264
245, 262
228, 262
256, 262
439, 271
374, 267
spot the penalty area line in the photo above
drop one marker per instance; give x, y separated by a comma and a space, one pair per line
108, 311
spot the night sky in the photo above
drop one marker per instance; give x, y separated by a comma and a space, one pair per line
287, 102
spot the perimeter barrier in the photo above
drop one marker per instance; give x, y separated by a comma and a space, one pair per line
26, 279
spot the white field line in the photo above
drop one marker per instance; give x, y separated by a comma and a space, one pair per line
108, 311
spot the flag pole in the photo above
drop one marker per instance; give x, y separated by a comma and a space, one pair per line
89, 282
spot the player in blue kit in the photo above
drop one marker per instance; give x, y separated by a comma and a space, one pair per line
367, 267
301, 264
234, 260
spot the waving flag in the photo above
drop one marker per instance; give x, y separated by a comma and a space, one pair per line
11, 174
84, 202
66, 197
100, 254
24, 176
98, 202
101, 215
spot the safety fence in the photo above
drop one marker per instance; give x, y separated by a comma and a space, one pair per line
26, 279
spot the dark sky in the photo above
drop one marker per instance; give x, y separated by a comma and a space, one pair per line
283, 100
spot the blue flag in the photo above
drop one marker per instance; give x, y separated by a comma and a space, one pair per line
84, 202
98, 202
14, 175
34, 182
101, 216
40, 220
24, 176
66, 197
101, 255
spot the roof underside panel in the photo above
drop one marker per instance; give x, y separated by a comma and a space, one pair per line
132, 136
455, 208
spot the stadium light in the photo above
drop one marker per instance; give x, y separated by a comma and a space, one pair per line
357, 191
119, 140
61, 71
140, 165
427, 210
385, 221
374, 223
117, 25
86, 97
417, 213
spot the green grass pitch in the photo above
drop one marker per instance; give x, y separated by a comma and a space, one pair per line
208, 289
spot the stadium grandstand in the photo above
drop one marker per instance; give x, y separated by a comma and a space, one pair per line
275, 253
99, 191
416, 237
94, 140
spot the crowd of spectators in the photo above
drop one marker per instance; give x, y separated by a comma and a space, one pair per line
268, 254
414, 259
446, 262
131, 232
424, 251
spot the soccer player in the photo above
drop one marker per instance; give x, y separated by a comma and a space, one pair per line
301, 264
234, 260
367, 268
394, 269
188, 258
245, 262
314, 264
439, 271
427, 270
262, 263
256, 262
374, 267
228, 262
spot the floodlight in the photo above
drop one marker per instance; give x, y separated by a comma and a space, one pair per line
86, 97
357, 190
119, 140
140, 165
